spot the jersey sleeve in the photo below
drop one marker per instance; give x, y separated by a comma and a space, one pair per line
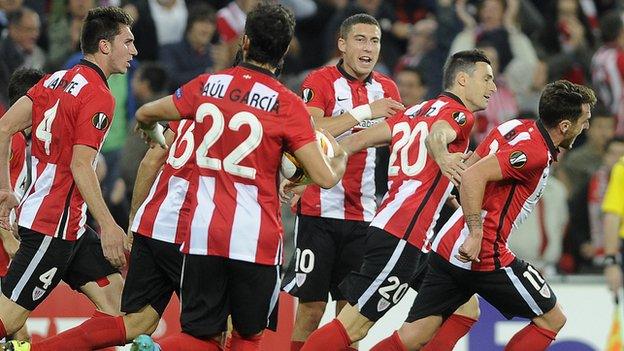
460, 120
614, 196
95, 115
36, 89
392, 91
298, 129
184, 97
489, 144
18, 154
314, 91
521, 162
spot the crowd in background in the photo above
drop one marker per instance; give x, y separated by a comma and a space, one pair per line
530, 43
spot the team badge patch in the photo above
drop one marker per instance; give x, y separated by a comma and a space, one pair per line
382, 305
300, 278
100, 121
517, 159
544, 291
459, 117
37, 293
307, 95
178, 93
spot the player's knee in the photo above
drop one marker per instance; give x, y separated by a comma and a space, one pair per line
553, 320
310, 314
471, 309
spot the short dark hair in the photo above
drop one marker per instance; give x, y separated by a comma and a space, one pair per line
462, 61
199, 13
154, 74
563, 100
270, 28
15, 17
416, 70
359, 18
102, 23
611, 26
21, 81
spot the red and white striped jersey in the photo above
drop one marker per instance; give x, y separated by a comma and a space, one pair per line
70, 107
525, 152
164, 214
230, 22
416, 187
244, 119
18, 174
608, 80
335, 92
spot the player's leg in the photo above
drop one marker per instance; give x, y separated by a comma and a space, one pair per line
455, 327
380, 283
442, 292
35, 271
519, 290
105, 293
205, 305
253, 291
308, 274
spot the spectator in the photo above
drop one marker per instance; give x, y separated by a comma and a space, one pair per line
608, 67
423, 51
193, 54
63, 31
19, 49
579, 164
158, 22
6, 7
231, 24
412, 85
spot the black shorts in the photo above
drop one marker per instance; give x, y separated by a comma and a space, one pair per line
215, 287
153, 275
42, 261
326, 250
517, 290
383, 279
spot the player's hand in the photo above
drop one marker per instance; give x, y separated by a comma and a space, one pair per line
452, 165
452, 202
9, 241
613, 273
290, 192
385, 107
8, 201
153, 135
112, 238
128, 240
470, 249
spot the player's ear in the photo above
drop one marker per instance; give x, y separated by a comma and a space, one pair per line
245, 43
461, 78
342, 45
564, 126
104, 46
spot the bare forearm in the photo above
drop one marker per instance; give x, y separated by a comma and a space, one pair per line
146, 174
471, 194
5, 154
89, 187
436, 143
336, 125
611, 225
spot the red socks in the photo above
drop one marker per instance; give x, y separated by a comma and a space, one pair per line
249, 344
332, 336
392, 343
3, 332
185, 342
296, 345
453, 329
99, 331
531, 338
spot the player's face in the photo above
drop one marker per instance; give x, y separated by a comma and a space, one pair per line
581, 124
360, 49
480, 86
123, 50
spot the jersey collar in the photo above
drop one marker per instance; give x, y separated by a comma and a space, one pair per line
453, 96
257, 68
94, 67
368, 78
551, 146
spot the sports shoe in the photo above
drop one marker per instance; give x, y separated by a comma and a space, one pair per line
140, 343
15, 345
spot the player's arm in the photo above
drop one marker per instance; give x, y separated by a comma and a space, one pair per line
337, 125
324, 171
471, 193
451, 164
148, 115
613, 208
378, 135
112, 235
17, 118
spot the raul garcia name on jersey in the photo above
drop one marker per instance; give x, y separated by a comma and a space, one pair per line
259, 96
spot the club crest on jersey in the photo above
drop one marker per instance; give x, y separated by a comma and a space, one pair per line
37, 293
382, 305
100, 121
517, 159
545, 291
459, 117
300, 278
307, 95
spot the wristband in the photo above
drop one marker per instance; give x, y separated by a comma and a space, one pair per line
610, 260
362, 113
156, 134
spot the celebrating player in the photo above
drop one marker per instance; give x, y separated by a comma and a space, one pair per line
420, 183
70, 112
470, 252
244, 119
331, 224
